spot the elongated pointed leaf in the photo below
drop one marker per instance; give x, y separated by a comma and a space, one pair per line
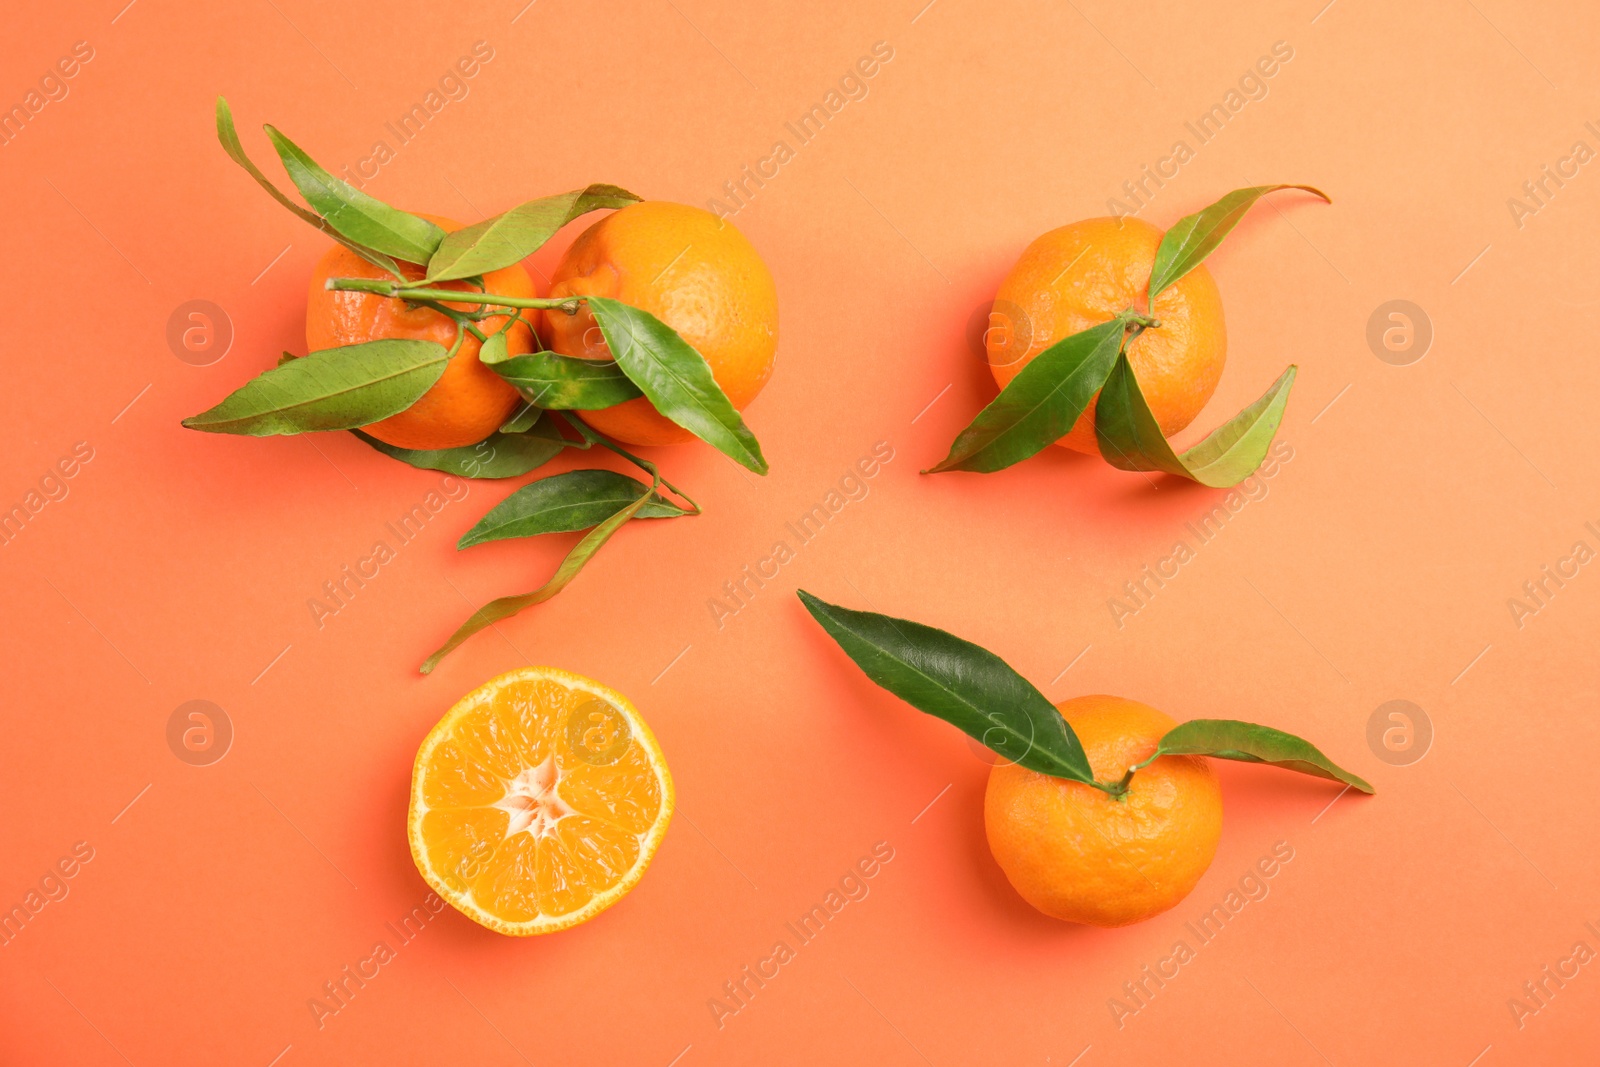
334, 389
507, 606
363, 219
1232, 452
229, 136
1230, 739
500, 455
1038, 406
1194, 237
675, 378
955, 680
513, 236
566, 383
562, 503
1131, 439
1129, 436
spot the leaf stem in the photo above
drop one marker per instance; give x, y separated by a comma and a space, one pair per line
1118, 790
596, 439
1144, 322
421, 294
462, 321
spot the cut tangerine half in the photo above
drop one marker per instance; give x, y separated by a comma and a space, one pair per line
537, 801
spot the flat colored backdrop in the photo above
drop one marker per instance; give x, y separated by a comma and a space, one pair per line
1428, 475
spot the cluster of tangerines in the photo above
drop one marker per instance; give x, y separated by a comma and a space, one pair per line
541, 796
427, 340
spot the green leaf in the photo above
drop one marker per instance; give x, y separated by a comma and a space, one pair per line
1232, 452
334, 389
959, 682
1040, 405
363, 219
1129, 436
524, 420
1131, 439
1229, 739
500, 455
1194, 237
566, 383
547, 429
562, 503
494, 349
229, 136
675, 378
515, 235
507, 606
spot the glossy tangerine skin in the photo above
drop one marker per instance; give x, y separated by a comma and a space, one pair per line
688, 268
469, 401
1086, 273
1077, 854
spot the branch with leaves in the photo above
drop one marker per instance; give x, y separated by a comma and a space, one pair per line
1048, 395
353, 386
979, 693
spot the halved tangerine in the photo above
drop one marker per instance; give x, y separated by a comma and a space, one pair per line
538, 801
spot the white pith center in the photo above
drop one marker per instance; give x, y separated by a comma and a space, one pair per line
532, 802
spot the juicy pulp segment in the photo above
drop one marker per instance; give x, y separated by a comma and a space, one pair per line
537, 799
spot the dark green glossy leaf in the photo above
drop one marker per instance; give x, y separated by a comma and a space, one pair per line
507, 606
561, 503
363, 219
1129, 436
675, 378
517, 234
500, 455
1194, 237
334, 389
1040, 405
566, 383
1131, 440
1229, 739
229, 136
959, 682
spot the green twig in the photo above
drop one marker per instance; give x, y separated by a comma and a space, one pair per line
593, 438
569, 304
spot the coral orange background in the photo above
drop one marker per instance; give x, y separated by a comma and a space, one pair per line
1377, 566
